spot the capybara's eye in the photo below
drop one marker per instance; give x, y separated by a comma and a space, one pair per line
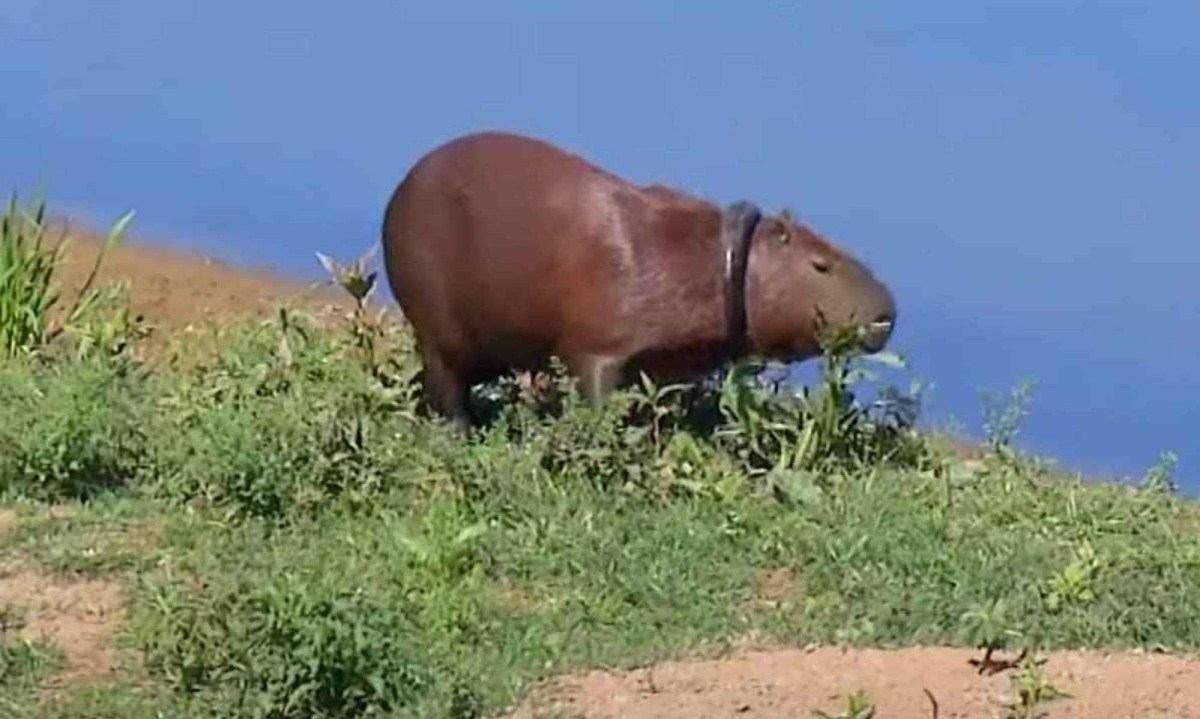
820, 264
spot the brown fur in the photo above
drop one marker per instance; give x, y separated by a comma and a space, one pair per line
503, 250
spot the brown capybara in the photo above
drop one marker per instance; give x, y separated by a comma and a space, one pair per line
503, 250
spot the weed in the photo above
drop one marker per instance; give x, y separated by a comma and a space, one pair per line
1073, 585
23, 663
367, 331
1002, 423
988, 627
277, 428
1033, 689
28, 292
106, 326
858, 706
1161, 477
655, 401
26, 273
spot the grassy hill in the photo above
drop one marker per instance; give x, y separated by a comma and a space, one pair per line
247, 514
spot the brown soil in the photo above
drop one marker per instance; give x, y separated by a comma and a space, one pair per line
794, 682
79, 616
173, 289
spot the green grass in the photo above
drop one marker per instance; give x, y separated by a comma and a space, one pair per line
300, 540
23, 663
29, 292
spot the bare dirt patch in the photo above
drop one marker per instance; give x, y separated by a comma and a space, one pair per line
78, 616
792, 683
173, 289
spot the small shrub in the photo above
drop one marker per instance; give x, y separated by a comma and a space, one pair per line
270, 432
823, 429
1032, 690
858, 706
1160, 479
70, 431
274, 457
282, 649
1002, 422
369, 333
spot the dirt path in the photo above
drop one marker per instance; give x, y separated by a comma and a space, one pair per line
792, 683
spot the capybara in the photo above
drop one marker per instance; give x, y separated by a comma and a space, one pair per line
504, 250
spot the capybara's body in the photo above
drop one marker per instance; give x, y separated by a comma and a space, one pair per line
503, 250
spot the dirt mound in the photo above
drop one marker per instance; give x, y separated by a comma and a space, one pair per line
795, 682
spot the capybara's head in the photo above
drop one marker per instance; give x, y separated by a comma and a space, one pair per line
796, 280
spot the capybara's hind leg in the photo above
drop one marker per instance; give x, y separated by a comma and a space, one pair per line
445, 390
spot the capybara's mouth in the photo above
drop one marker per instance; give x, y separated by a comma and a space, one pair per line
874, 336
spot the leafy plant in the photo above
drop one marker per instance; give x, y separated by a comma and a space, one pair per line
106, 327
1160, 479
825, 428
447, 549
656, 402
1033, 689
28, 292
858, 706
359, 283
1073, 585
1002, 422
989, 627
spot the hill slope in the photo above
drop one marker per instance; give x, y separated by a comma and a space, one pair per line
541, 564
172, 288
